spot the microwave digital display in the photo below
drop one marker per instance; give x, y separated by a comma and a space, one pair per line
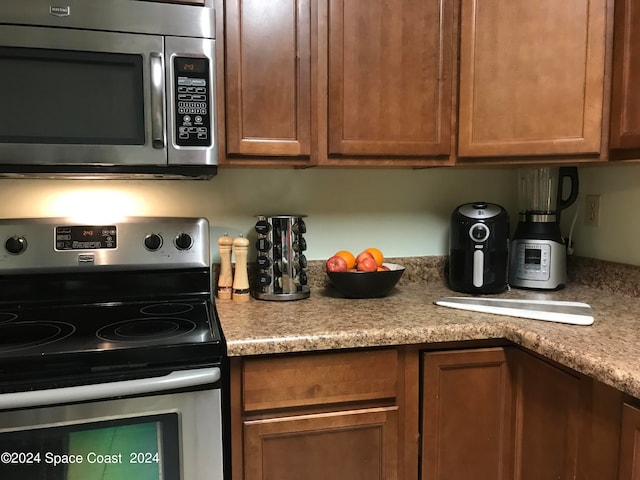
86, 237
192, 65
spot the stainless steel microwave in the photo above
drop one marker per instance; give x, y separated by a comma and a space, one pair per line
120, 88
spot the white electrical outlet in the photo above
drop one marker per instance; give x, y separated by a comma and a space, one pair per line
592, 210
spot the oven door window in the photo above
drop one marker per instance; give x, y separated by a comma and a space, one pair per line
140, 448
71, 97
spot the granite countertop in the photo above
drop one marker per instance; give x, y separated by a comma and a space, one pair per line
608, 350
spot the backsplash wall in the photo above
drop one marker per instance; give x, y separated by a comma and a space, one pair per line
617, 237
405, 213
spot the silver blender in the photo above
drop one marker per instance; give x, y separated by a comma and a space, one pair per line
538, 256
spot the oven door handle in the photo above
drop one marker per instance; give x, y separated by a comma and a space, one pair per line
97, 391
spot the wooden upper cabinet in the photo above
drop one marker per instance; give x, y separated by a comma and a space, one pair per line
531, 77
268, 84
390, 77
625, 99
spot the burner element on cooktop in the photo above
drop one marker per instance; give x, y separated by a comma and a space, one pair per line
148, 329
23, 335
7, 317
166, 309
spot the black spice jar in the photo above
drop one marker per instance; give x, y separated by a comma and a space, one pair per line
280, 260
479, 248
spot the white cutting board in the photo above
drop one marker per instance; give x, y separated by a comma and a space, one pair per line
575, 313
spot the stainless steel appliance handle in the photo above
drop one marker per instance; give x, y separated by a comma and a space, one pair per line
157, 100
82, 393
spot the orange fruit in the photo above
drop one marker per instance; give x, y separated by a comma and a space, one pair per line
348, 257
377, 255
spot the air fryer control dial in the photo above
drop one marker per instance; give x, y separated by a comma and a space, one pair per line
479, 232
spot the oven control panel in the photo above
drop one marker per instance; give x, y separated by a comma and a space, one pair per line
83, 237
134, 243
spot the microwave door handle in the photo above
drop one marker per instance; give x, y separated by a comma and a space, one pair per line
157, 100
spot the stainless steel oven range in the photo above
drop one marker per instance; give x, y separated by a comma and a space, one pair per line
112, 360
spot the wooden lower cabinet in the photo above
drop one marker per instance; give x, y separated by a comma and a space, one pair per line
629, 466
547, 423
504, 413
332, 415
341, 445
466, 415
490, 413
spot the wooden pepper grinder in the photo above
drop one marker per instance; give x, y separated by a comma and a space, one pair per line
225, 279
241, 292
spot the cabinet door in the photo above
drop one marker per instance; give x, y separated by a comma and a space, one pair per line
547, 426
625, 99
336, 445
629, 466
390, 77
467, 415
268, 82
531, 77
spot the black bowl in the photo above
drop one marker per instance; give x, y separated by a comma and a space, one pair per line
366, 284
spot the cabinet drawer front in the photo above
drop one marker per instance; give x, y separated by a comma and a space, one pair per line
318, 379
336, 445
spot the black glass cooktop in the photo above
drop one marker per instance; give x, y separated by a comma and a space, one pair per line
111, 335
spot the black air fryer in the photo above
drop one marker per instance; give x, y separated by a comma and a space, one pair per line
479, 248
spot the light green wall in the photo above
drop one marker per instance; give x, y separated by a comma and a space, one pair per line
402, 212
617, 237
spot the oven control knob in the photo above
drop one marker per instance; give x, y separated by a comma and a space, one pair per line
183, 241
16, 245
153, 242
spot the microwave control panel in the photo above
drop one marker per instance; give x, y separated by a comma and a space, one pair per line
192, 102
